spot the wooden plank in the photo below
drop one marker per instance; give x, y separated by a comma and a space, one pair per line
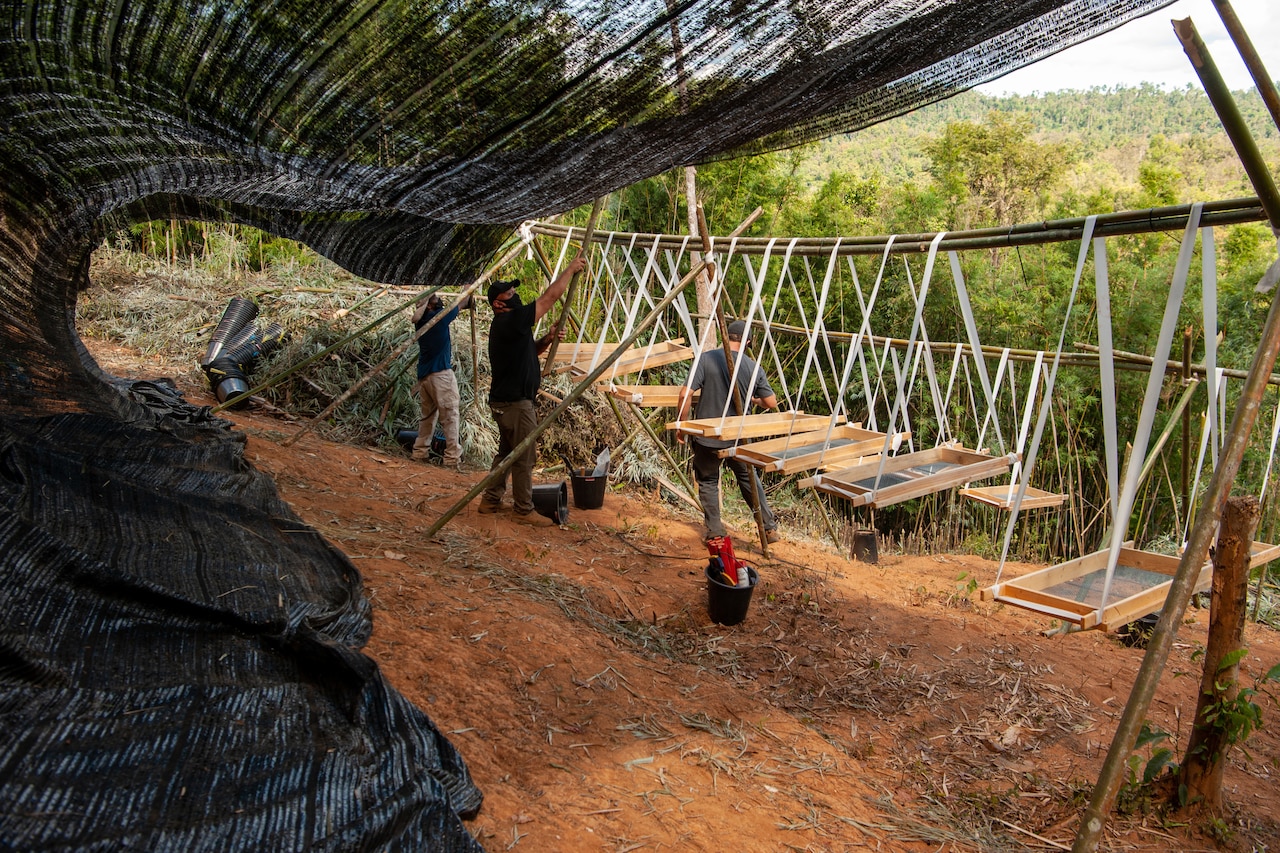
751, 426
645, 395
586, 351
1260, 553
1013, 591
1001, 497
635, 362
809, 450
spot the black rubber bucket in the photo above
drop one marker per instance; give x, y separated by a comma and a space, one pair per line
407, 438
588, 492
865, 549
727, 605
552, 500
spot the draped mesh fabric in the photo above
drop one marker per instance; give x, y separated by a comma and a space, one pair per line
403, 140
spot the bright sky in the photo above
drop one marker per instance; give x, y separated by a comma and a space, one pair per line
1146, 50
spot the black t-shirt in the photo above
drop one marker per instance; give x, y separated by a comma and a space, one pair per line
513, 356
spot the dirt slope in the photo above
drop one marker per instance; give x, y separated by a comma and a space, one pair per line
857, 707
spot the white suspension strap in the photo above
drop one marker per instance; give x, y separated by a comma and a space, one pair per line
1209, 301
1155, 383
924, 353
865, 307
1037, 369
991, 415
916, 323
971, 328
1271, 454
1100, 267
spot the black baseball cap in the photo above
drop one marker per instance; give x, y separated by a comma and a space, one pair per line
498, 288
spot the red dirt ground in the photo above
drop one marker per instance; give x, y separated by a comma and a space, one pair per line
858, 707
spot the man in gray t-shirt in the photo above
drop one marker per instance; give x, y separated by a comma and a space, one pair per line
711, 379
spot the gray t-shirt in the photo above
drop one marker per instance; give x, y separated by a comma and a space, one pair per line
711, 377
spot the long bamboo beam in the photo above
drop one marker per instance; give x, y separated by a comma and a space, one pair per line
1103, 799
1174, 218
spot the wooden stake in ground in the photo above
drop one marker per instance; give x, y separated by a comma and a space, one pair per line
1212, 734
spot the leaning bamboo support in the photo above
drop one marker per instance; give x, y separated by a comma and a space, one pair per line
502, 467
381, 366
1103, 799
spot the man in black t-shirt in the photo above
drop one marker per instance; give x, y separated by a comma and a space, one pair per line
513, 362
715, 399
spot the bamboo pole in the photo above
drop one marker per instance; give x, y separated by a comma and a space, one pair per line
1089, 357
1266, 85
502, 467
573, 285
1171, 218
400, 350
1182, 587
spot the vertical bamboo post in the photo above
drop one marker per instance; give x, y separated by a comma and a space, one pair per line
573, 284
1181, 589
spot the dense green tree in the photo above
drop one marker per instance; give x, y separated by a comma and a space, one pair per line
994, 173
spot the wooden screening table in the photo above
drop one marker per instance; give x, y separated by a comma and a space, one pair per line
652, 396
1002, 497
826, 449
910, 475
752, 426
1072, 591
632, 361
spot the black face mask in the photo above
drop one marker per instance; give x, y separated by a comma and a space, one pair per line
513, 301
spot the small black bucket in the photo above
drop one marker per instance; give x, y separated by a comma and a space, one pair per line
727, 605
407, 438
552, 501
588, 492
865, 549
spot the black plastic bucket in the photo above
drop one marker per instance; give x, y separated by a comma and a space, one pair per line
727, 605
552, 500
407, 438
865, 549
588, 492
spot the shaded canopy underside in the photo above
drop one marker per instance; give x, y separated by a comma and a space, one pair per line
402, 139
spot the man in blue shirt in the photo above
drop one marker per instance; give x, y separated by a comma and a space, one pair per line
517, 375
711, 379
437, 384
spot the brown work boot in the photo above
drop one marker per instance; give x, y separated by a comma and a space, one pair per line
486, 508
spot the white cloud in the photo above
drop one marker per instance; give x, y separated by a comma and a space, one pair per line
1146, 50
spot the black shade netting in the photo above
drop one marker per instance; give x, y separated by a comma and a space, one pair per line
403, 140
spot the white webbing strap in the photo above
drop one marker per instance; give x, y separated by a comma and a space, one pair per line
971, 328
1209, 302
1151, 400
916, 323
1086, 240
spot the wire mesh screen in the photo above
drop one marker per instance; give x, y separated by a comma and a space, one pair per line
403, 139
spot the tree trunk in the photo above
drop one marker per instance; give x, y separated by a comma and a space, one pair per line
1200, 776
